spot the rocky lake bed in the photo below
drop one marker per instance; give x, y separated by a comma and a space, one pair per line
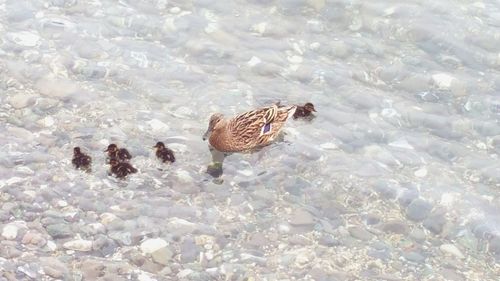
396, 178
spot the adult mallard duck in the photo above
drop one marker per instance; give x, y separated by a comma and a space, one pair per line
249, 130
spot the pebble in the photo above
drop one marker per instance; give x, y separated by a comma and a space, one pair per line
418, 209
414, 257
19, 101
151, 245
398, 227
301, 217
59, 231
360, 233
9, 231
78, 245
162, 256
24, 38
452, 250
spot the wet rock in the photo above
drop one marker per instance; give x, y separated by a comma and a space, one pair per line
189, 250
360, 233
452, 250
407, 197
59, 231
122, 238
301, 217
54, 268
398, 227
9, 251
33, 238
328, 240
418, 234
104, 245
418, 210
9, 231
78, 245
451, 274
92, 269
162, 256
414, 257
151, 245
435, 223
257, 240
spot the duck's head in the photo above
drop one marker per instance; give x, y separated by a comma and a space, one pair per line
159, 145
76, 150
309, 107
111, 148
214, 123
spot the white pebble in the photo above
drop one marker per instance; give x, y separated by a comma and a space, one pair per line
9, 232
151, 245
328, 146
421, 173
51, 245
24, 38
452, 250
78, 245
443, 80
157, 125
254, 61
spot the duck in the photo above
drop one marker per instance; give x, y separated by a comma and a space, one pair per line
305, 110
81, 160
163, 153
247, 131
121, 154
121, 169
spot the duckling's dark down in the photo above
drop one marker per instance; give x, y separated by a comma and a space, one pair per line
121, 154
163, 153
121, 169
305, 110
80, 160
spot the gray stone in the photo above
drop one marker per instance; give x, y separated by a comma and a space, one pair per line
398, 227
301, 217
360, 233
189, 250
494, 246
414, 257
162, 256
418, 210
257, 240
59, 231
451, 275
328, 240
435, 223
104, 245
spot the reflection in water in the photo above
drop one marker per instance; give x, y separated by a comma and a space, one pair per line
215, 168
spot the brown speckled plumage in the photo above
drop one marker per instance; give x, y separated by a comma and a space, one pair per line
247, 131
121, 169
305, 110
121, 154
164, 153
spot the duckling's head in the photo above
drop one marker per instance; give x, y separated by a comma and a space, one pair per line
111, 148
76, 150
214, 123
159, 145
113, 162
309, 107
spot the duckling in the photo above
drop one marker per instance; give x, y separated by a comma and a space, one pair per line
81, 160
164, 153
121, 169
304, 111
121, 154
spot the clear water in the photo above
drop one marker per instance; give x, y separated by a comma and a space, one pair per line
408, 101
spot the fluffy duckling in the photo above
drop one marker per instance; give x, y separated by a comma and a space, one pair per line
163, 153
121, 154
121, 169
80, 160
304, 111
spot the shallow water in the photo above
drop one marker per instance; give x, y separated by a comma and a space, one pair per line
397, 177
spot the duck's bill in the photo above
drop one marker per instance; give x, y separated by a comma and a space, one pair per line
206, 134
